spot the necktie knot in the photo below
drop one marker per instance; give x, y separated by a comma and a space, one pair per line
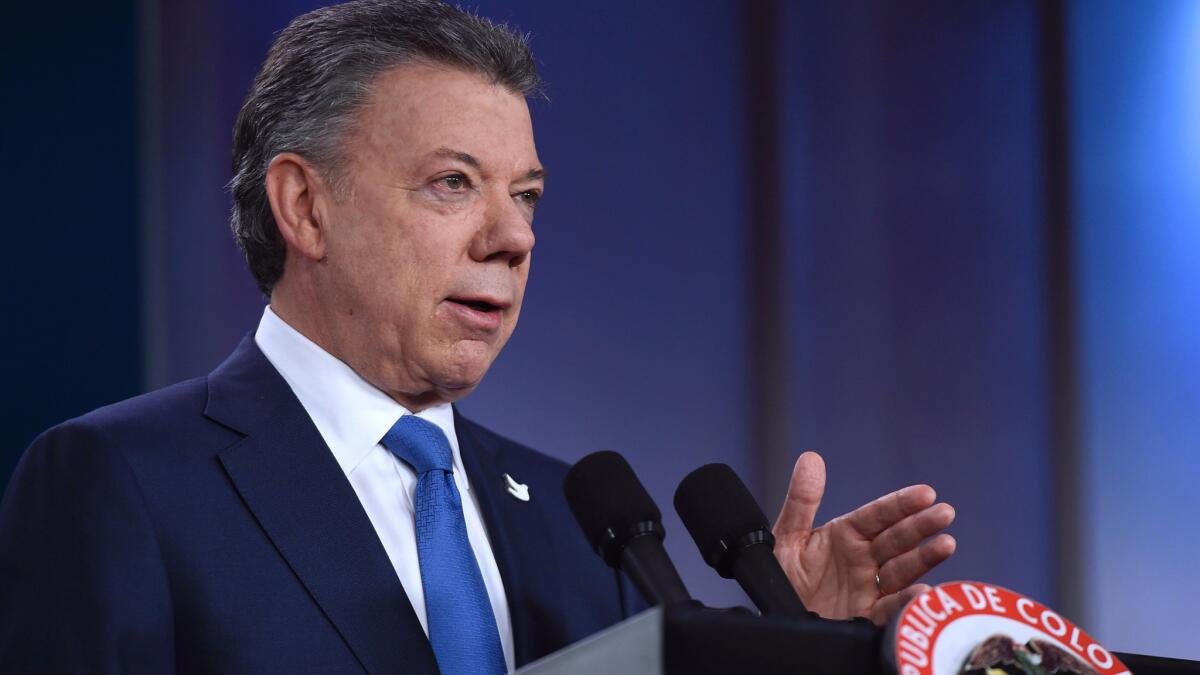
420, 443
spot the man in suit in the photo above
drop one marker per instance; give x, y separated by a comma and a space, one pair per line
316, 504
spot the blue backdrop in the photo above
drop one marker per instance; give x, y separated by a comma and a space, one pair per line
1136, 148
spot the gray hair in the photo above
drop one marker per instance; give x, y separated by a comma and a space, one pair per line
320, 73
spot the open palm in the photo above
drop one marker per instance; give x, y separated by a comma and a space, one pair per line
834, 567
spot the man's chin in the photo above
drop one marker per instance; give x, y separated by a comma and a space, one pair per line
461, 377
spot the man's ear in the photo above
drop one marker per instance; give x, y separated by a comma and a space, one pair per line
294, 189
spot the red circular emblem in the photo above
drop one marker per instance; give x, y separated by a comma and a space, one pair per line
972, 628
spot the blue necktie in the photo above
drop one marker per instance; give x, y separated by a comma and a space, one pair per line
462, 628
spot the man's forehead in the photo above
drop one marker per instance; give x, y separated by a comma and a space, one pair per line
447, 91
431, 112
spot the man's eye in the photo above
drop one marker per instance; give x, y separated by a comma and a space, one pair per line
454, 182
530, 197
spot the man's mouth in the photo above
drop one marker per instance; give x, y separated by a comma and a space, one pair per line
477, 305
479, 312
481, 302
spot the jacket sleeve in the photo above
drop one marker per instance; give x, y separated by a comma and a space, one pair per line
83, 588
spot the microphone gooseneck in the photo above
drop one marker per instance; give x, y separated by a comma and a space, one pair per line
735, 538
623, 525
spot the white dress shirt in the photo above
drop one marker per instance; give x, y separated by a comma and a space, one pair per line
353, 416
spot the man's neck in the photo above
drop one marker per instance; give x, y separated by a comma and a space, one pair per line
307, 319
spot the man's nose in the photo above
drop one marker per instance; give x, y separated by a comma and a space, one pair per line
507, 233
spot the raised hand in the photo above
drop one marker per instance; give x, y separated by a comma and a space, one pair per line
866, 562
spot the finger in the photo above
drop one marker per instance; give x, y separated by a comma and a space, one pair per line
804, 495
906, 568
879, 515
887, 607
907, 534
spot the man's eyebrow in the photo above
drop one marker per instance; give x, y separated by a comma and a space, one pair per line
464, 157
467, 158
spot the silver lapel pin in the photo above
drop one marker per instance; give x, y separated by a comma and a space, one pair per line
517, 490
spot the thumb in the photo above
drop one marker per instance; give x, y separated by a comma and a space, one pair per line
803, 496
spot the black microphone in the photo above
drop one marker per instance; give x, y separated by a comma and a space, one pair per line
734, 537
623, 525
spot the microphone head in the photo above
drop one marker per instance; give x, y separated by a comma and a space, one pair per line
610, 504
721, 515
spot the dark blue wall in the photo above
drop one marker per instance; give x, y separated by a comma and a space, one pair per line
69, 281
915, 224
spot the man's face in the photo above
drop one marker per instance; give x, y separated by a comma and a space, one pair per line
427, 258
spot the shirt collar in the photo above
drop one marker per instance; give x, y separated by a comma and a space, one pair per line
351, 414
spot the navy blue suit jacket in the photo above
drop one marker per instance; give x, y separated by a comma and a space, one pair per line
206, 527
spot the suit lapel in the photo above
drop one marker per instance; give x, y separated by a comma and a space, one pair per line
517, 531
292, 484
